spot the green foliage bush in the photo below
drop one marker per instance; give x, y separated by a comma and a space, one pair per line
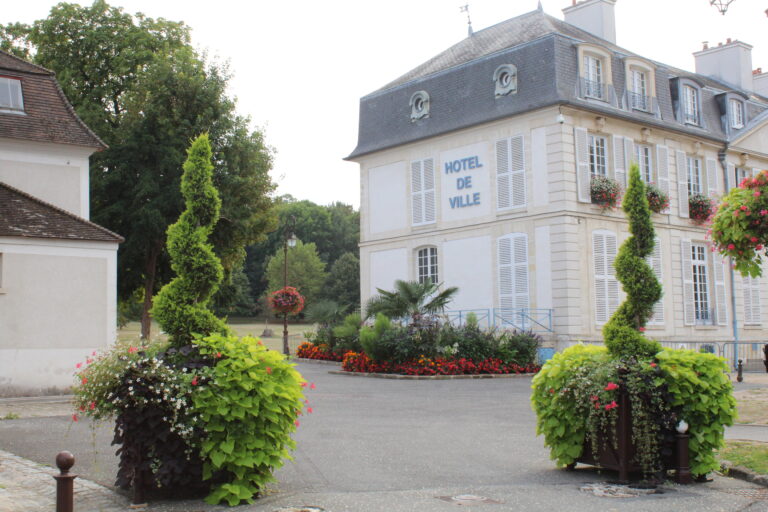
346, 336
249, 402
370, 337
703, 395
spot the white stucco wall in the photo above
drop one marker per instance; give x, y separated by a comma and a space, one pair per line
58, 303
388, 199
55, 173
389, 266
468, 264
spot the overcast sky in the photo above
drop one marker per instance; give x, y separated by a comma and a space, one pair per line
300, 67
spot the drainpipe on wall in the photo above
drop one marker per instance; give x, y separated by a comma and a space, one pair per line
721, 156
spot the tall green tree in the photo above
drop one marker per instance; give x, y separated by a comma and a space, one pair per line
343, 283
139, 84
306, 271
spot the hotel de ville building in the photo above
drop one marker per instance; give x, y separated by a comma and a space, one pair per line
476, 169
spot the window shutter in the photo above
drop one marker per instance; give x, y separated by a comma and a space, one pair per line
685, 252
503, 178
517, 171
654, 260
417, 196
520, 248
583, 176
682, 192
606, 285
629, 157
619, 161
751, 290
662, 158
731, 177
712, 185
428, 175
513, 271
721, 309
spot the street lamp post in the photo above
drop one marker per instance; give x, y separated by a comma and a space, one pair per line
290, 241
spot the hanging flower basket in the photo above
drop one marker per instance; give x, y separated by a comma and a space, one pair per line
699, 208
658, 201
287, 300
604, 192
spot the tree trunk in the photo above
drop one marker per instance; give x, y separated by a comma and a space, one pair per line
150, 271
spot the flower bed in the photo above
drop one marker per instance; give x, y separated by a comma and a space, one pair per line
361, 363
322, 352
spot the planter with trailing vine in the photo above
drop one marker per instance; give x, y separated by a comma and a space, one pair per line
616, 406
604, 192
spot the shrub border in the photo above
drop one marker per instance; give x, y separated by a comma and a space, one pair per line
397, 376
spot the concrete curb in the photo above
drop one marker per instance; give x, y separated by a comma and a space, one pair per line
316, 361
743, 473
395, 376
49, 399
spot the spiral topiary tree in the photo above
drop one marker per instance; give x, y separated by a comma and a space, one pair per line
181, 306
623, 332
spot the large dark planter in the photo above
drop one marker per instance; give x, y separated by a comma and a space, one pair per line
621, 457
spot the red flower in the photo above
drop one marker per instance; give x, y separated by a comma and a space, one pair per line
641, 329
78, 365
611, 405
611, 386
82, 408
309, 410
296, 423
269, 370
194, 380
74, 417
131, 350
731, 247
312, 386
92, 406
84, 381
303, 384
594, 398
653, 365
217, 355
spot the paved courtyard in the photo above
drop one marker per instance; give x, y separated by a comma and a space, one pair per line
392, 445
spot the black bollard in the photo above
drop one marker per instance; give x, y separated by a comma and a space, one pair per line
765, 351
65, 482
683, 473
740, 371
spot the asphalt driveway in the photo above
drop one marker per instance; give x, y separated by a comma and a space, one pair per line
400, 445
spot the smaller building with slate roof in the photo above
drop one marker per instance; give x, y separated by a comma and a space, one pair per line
58, 270
478, 170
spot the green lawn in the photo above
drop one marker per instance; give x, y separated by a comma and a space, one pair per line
749, 454
241, 327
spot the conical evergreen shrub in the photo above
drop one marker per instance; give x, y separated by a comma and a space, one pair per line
181, 306
622, 333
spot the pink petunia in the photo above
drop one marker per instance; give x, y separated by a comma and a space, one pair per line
756, 193
731, 247
78, 365
312, 386
743, 207
763, 212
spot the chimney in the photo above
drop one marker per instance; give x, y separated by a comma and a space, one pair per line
760, 82
730, 62
595, 16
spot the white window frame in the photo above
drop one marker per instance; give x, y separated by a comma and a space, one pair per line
640, 98
511, 186
751, 295
691, 114
11, 87
695, 177
594, 84
741, 173
598, 156
604, 252
644, 159
702, 303
427, 264
512, 264
736, 111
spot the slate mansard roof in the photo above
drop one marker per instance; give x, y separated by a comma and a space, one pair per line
544, 49
23, 215
47, 116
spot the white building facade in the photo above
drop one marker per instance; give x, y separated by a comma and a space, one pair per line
58, 270
476, 169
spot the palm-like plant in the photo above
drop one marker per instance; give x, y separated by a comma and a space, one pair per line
410, 299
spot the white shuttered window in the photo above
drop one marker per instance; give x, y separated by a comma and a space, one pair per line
423, 191
510, 173
513, 271
604, 247
681, 162
583, 173
751, 289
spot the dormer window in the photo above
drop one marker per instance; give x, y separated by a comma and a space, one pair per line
10, 94
736, 113
593, 77
505, 78
691, 105
639, 90
419, 105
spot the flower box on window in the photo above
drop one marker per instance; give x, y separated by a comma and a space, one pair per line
604, 191
699, 208
658, 200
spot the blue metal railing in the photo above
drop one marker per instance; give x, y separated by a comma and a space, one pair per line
522, 319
